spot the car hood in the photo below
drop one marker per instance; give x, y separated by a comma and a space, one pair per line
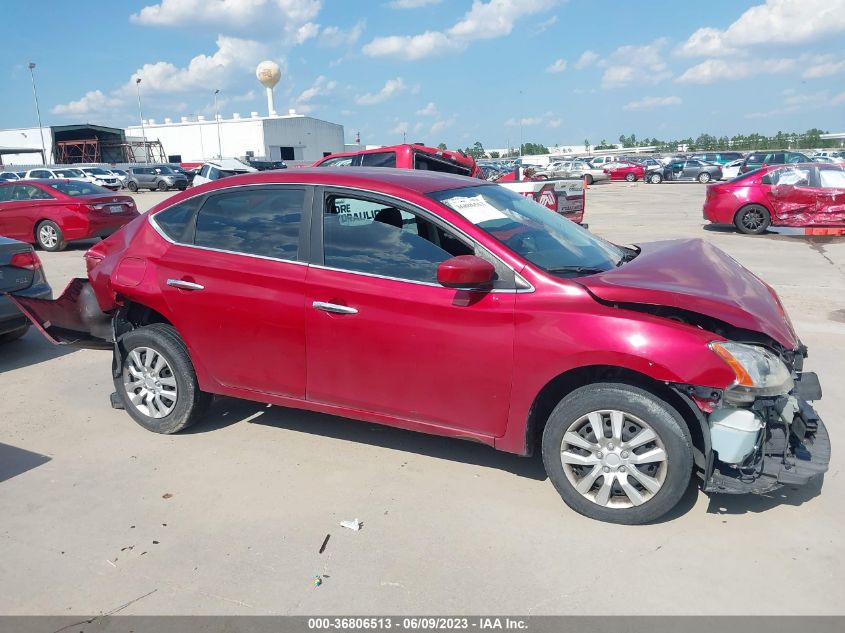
696, 276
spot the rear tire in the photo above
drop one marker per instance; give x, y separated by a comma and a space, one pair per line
157, 383
631, 177
753, 219
704, 177
50, 237
14, 335
627, 453
132, 186
655, 179
161, 186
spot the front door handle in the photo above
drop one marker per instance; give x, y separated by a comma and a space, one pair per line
333, 308
184, 285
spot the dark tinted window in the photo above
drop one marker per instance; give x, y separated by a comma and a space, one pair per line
379, 159
261, 221
5, 194
175, 220
29, 192
729, 156
340, 161
432, 163
370, 237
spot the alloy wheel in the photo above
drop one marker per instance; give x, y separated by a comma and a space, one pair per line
614, 459
149, 382
752, 220
48, 236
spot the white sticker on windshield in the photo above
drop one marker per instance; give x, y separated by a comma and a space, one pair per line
474, 208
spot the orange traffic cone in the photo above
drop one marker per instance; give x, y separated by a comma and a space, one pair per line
586, 183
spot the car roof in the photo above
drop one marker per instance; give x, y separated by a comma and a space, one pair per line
388, 179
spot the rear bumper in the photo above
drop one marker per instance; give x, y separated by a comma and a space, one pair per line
98, 226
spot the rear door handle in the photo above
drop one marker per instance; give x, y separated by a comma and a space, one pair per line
184, 285
333, 308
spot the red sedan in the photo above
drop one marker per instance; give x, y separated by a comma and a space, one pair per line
449, 305
53, 212
806, 194
630, 172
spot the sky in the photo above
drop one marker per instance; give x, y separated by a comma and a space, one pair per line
452, 71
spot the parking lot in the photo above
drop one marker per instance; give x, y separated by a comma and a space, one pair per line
229, 517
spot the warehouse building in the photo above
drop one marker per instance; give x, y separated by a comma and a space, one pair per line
63, 144
288, 137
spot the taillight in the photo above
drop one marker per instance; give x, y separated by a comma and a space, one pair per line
91, 261
28, 260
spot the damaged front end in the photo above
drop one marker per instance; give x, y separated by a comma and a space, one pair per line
764, 433
75, 318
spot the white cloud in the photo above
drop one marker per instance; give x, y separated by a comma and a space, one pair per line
484, 20
391, 88
548, 119
333, 36
712, 70
93, 102
442, 124
802, 102
428, 110
558, 66
412, 4
306, 32
400, 128
824, 66
635, 64
410, 47
773, 22
320, 88
588, 58
647, 103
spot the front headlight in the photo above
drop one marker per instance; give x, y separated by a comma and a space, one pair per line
758, 371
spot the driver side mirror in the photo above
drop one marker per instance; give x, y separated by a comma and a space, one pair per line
466, 272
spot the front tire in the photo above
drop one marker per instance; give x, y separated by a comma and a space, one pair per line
132, 186
157, 383
50, 237
161, 186
753, 219
656, 179
630, 177
14, 335
617, 453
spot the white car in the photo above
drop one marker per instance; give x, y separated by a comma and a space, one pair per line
66, 173
8, 175
834, 156
221, 168
101, 177
121, 176
603, 161
731, 170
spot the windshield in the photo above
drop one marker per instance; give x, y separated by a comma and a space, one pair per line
70, 173
532, 231
96, 171
78, 188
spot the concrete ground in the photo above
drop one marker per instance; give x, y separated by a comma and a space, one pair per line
97, 514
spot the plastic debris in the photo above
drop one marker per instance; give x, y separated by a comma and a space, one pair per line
318, 581
355, 524
325, 542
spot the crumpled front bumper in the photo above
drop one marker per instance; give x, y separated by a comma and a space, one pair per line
793, 455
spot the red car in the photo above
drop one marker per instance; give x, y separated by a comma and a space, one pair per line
805, 194
53, 212
625, 171
407, 156
454, 306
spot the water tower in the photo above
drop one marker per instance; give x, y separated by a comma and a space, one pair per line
269, 74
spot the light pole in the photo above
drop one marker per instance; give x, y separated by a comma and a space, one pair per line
141, 117
38, 112
520, 124
217, 119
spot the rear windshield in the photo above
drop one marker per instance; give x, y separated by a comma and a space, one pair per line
432, 163
78, 188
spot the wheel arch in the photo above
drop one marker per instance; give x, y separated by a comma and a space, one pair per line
563, 384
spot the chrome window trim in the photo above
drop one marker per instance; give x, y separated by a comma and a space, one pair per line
151, 219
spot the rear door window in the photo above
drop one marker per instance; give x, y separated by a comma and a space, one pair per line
379, 159
175, 221
29, 192
262, 221
832, 178
340, 161
795, 176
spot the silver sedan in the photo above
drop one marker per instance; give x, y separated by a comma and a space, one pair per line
572, 169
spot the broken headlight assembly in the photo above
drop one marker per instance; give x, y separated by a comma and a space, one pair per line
758, 371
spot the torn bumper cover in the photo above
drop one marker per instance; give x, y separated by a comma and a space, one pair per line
794, 451
74, 318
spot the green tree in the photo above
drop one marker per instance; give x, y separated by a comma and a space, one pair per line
494, 154
441, 146
532, 149
587, 145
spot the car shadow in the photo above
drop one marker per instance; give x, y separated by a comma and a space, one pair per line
14, 461
687, 502
30, 349
745, 504
227, 411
